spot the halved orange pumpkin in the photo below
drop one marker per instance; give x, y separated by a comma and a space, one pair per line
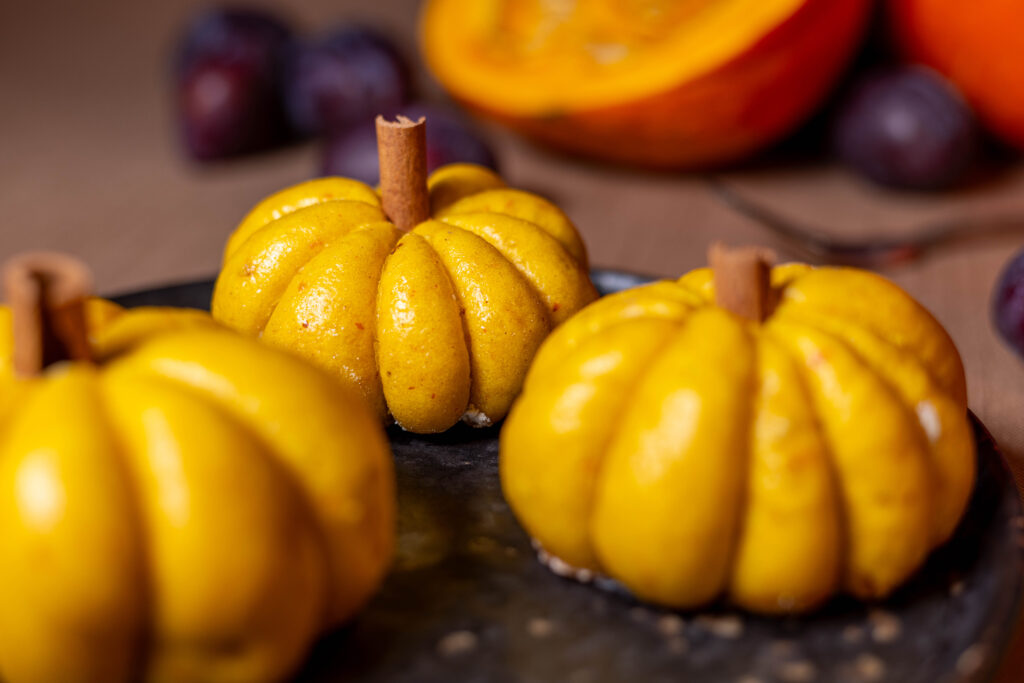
975, 45
664, 83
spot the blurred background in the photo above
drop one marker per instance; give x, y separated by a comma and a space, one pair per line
137, 135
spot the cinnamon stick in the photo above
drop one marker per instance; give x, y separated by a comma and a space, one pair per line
742, 277
46, 292
402, 148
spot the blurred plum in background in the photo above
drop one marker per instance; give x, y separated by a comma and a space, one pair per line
228, 108
1008, 303
244, 83
235, 34
450, 138
228, 80
906, 127
348, 77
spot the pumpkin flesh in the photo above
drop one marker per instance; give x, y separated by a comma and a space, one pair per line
660, 84
530, 58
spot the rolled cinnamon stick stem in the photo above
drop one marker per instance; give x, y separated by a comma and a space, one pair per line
402, 148
46, 292
742, 277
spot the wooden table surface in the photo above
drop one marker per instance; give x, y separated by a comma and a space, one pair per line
90, 164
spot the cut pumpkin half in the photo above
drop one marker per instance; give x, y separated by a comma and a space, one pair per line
652, 82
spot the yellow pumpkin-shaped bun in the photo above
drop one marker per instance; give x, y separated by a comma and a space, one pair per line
430, 324
188, 505
693, 453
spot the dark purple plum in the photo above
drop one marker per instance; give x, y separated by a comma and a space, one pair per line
227, 108
235, 34
348, 77
229, 83
353, 153
906, 127
451, 138
1008, 303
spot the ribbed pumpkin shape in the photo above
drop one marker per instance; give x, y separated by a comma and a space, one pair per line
692, 454
194, 507
429, 326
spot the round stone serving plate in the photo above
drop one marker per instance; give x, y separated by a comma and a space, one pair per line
467, 599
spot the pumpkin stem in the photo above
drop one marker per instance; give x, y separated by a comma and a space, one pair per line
742, 277
402, 148
47, 292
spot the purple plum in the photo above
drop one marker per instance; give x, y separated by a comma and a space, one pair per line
227, 108
906, 127
235, 34
228, 73
346, 78
353, 153
1008, 303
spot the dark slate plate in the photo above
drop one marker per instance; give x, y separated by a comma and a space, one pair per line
468, 601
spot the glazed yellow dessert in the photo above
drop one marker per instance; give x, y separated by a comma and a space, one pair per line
430, 322
811, 440
177, 502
